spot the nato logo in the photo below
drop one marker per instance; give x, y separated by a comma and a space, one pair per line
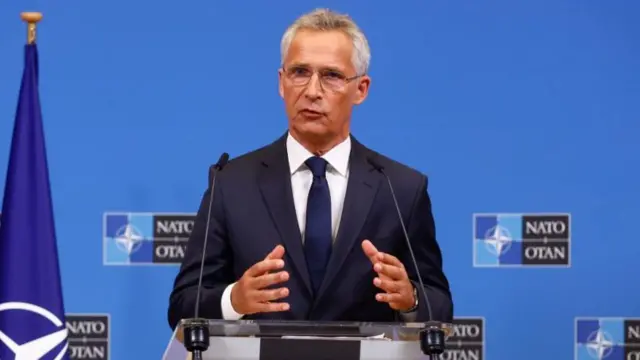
467, 340
607, 338
521, 240
145, 238
88, 336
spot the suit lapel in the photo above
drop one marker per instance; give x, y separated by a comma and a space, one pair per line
274, 181
362, 187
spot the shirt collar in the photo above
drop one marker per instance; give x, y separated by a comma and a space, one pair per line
338, 157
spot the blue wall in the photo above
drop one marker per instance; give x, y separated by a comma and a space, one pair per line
509, 106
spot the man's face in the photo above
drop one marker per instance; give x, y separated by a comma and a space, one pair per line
317, 98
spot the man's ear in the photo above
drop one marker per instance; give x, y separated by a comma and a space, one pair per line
280, 84
363, 90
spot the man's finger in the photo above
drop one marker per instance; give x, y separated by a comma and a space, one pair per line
369, 250
276, 253
269, 295
392, 271
387, 285
262, 281
390, 259
372, 252
271, 307
265, 266
389, 298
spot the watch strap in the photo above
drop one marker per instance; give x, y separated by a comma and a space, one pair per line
415, 304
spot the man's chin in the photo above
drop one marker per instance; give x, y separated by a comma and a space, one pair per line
314, 130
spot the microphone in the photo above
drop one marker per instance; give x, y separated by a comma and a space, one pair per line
432, 338
196, 330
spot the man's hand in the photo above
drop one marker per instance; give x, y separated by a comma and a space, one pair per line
392, 278
249, 296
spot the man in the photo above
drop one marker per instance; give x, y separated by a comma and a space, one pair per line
305, 228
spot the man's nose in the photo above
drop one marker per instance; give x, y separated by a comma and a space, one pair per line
314, 87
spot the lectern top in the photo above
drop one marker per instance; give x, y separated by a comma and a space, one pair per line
287, 328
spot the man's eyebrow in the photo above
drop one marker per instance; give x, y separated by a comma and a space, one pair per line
296, 64
333, 68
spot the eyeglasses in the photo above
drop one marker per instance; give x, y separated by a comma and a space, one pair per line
329, 78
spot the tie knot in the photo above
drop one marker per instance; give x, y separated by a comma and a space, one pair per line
317, 165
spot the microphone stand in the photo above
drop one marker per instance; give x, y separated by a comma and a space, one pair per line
196, 330
432, 337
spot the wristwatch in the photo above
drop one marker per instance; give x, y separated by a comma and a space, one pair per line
415, 304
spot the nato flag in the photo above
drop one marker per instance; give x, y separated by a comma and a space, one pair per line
32, 321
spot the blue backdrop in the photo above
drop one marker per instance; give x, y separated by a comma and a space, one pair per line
508, 106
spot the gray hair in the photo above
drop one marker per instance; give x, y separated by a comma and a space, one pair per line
327, 20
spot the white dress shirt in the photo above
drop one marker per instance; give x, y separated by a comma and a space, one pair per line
301, 178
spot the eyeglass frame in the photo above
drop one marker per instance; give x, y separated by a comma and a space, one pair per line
344, 78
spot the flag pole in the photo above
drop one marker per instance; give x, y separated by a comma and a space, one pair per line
32, 19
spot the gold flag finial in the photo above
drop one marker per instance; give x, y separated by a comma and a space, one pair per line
31, 18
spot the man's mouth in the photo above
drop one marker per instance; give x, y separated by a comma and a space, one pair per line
311, 113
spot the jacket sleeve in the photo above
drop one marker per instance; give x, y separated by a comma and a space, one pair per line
422, 234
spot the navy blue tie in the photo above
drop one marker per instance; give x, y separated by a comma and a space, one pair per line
318, 235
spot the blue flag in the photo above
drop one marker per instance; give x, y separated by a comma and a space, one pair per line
32, 321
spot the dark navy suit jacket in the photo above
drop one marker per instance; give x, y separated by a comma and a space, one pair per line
253, 211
